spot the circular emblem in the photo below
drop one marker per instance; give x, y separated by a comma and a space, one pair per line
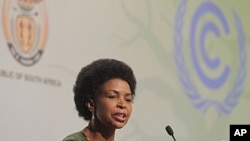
25, 28
209, 80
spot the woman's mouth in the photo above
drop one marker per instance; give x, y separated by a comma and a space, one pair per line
120, 117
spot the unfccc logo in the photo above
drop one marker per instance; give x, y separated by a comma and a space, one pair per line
210, 55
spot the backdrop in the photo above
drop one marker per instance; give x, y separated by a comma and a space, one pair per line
190, 59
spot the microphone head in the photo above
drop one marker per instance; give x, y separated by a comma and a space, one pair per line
169, 130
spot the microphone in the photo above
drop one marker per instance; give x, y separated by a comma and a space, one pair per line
170, 131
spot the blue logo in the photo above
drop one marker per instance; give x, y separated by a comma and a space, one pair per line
202, 27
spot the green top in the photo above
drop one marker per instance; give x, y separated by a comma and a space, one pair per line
77, 136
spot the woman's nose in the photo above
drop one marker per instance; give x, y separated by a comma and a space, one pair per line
121, 104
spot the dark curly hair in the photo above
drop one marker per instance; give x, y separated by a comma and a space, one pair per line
92, 76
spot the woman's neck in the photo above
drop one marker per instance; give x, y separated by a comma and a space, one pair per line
96, 132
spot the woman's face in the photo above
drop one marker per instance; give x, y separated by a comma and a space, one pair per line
113, 105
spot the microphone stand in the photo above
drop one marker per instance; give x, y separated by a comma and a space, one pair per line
173, 137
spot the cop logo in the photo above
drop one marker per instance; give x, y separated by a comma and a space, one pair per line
210, 55
25, 28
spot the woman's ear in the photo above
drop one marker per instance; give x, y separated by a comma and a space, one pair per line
90, 105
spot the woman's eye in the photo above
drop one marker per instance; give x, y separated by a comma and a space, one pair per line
112, 96
129, 100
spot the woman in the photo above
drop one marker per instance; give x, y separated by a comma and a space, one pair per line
103, 95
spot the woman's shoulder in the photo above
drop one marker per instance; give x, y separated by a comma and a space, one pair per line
77, 136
